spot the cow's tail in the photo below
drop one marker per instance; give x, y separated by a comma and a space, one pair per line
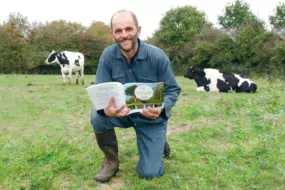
253, 87
81, 58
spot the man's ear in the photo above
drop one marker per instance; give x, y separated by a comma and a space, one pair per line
139, 31
111, 34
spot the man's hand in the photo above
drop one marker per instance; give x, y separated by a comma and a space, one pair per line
112, 111
152, 113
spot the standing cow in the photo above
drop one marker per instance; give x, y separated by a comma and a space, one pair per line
219, 81
69, 62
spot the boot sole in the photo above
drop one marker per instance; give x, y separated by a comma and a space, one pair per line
105, 181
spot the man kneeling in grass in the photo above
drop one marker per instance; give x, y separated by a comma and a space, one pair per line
132, 60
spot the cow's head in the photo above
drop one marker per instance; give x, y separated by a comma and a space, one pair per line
51, 58
192, 73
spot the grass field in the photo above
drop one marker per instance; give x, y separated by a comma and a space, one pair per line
218, 140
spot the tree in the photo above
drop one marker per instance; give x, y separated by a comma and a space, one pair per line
214, 49
94, 40
235, 15
278, 20
20, 24
177, 33
158, 92
57, 35
278, 60
180, 24
246, 30
130, 91
13, 48
98, 29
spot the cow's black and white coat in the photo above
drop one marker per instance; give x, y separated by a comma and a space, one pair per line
70, 62
219, 81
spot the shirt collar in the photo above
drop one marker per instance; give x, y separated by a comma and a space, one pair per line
141, 53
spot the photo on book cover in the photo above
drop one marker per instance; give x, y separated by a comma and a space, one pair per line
141, 95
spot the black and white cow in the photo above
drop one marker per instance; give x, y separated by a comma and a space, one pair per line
69, 62
220, 81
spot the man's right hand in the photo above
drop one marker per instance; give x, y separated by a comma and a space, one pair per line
112, 111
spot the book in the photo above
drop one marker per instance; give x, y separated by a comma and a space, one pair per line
136, 96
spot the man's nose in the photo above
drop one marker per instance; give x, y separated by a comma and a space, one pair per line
124, 34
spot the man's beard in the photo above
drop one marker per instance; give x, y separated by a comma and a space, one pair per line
134, 40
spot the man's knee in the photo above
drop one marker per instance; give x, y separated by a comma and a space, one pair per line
150, 172
94, 117
97, 121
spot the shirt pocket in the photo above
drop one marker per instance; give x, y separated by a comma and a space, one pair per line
119, 78
148, 79
118, 73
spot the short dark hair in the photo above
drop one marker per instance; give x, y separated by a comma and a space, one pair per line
120, 11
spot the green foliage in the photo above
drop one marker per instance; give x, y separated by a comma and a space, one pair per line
158, 92
19, 24
131, 90
243, 47
247, 39
235, 15
243, 44
278, 20
247, 50
214, 49
24, 46
13, 51
97, 33
56, 35
177, 33
277, 62
180, 24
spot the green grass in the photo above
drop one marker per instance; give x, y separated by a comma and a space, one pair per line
218, 140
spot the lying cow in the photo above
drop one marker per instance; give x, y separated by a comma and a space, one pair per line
219, 81
69, 62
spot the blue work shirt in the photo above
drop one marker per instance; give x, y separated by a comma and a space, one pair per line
150, 64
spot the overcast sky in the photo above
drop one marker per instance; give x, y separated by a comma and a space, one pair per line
149, 12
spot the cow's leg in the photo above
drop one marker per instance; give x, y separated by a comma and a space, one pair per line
63, 77
200, 89
69, 76
82, 74
77, 76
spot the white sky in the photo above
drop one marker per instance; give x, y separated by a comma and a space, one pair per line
149, 12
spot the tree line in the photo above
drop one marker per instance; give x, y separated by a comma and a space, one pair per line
24, 46
241, 44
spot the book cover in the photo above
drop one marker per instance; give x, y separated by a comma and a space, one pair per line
141, 95
136, 96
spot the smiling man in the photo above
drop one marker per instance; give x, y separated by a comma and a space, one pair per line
125, 32
131, 60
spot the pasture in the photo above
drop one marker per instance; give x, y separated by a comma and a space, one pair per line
218, 140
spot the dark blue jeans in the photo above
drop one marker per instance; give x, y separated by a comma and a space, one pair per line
151, 136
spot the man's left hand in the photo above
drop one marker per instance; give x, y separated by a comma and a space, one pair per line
151, 113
